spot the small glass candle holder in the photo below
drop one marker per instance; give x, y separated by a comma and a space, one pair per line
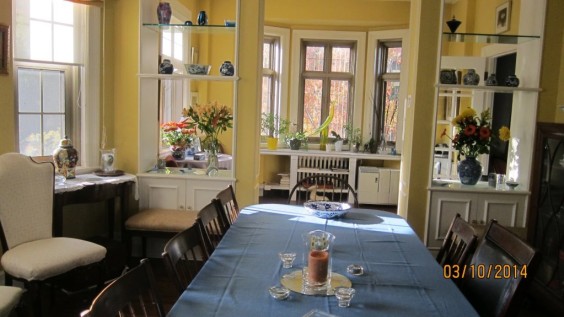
355, 269
344, 295
108, 160
287, 259
279, 292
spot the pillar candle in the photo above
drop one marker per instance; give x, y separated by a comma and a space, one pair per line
318, 265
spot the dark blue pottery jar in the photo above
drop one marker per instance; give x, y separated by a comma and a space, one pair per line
227, 69
202, 18
469, 171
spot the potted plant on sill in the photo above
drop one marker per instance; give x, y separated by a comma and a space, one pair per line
354, 138
273, 127
338, 141
296, 140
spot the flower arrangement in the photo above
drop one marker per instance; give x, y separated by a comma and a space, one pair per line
473, 133
178, 135
211, 119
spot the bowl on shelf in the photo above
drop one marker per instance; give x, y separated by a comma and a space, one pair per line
327, 209
197, 69
511, 184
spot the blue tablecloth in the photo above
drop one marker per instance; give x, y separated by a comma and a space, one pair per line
401, 277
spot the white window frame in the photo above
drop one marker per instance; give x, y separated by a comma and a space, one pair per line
359, 37
370, 81
88, 104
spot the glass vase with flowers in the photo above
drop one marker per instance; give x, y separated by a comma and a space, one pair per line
177, 135
211, 119
473, 136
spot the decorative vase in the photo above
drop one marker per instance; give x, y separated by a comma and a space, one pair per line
166, 67
318, 260
227, 69
355, 147
469, 171
295, 144
491, 81
164, 12
213, 162
453, 24
66, 158
447, 76
471, 77
178, 153
271, 143
338, 145
202, 18
323, 139
512, 81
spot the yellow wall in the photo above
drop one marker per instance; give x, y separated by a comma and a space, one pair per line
7, 122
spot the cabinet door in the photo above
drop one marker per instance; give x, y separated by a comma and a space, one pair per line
162, 193
200, 192
444, 207
508, 210
394, 186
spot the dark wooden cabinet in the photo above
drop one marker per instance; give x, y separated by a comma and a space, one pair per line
546, 216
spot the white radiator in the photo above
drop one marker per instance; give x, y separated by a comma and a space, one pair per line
309, 165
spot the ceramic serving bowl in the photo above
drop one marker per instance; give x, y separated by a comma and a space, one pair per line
327, 209
197, 69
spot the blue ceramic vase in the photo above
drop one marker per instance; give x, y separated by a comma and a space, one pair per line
469, 171
227, 69
202, 18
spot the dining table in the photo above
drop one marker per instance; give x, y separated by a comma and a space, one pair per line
400, 276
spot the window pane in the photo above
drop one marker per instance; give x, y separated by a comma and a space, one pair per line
391, 110
40, 41
266, 52
63, 43
29, 81
53, 91
312, 104
340, 98
166, 48
393, 63
40, 9
63, 12
340, 62
314, 58
178, 44
53, 127
266, 93
30, 134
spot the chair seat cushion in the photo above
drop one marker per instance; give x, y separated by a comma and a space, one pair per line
9, 298
45, 258
166, 220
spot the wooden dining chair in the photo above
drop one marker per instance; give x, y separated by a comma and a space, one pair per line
459, 243
132, 294
212, 223
323, 187
499, 272
30, 252
184, 255
229, 204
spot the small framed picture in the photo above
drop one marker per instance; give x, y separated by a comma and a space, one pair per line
502, 15
4, 48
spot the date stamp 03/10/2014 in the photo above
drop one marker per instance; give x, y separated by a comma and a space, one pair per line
484, 271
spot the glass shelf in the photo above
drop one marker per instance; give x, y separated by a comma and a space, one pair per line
186, 76
488, 38
502, 89
191, 28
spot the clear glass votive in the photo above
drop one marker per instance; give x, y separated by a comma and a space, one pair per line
279, 292
287, 259
355, 269
344, 295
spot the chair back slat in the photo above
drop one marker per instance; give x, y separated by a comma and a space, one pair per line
459, 243
504, 253
323, 187
212, 224
229, 204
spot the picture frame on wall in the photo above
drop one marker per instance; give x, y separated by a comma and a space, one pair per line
4, 45
502, 17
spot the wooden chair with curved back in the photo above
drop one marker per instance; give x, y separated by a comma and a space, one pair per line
503, 266
184, 255
323, 187
459, 243
132, 294
213, 224
229, 204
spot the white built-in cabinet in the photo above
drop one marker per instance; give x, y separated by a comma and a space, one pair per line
480, 203
192, 189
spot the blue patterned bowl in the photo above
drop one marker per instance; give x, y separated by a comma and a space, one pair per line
327, 209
